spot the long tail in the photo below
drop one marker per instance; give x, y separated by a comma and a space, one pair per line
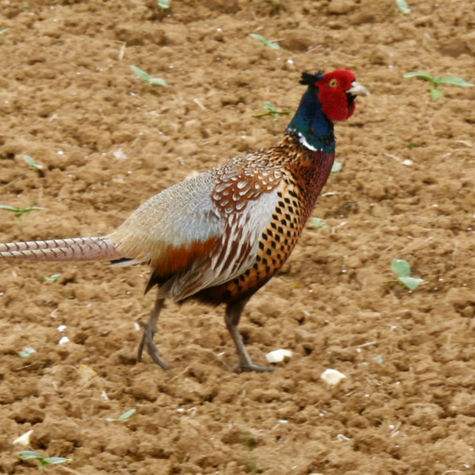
74, 249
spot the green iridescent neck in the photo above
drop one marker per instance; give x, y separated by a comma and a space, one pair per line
310, 124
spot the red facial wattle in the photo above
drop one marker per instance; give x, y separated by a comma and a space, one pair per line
337, 102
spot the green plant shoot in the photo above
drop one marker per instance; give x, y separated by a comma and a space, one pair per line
403, 269
336, 167
436, 82
44, 461
51, 278
271, 111
123, 417
32, 163
26, 352
265, 41
403, 7
149, 80
20, 211
318, 223
163, 4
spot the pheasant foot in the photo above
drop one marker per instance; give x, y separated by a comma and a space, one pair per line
149, 330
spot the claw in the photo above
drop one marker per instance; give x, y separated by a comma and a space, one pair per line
147, 339
149, 329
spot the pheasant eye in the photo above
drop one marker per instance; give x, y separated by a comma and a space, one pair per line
333, 83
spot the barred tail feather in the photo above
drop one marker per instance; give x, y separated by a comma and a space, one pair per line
74, 249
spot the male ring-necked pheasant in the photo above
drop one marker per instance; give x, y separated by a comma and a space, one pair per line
220, 236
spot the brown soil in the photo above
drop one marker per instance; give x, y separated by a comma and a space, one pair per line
406, 190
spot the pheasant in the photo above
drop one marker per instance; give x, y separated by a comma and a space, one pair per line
221, 235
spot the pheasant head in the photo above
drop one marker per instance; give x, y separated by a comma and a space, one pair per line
330, 97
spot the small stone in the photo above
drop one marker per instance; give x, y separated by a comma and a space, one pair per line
277, 356
332, 377
24, 439
63, 340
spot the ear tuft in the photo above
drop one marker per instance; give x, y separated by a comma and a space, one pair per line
308, 79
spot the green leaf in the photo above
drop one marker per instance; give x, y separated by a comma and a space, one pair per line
271, 110
141, 73
436, 93
20, 211
158, 82
123, 417
421, 75
9, 208
29, 454
403, 6
411, 282
436, 82
26, 352
336, 167
54, 460
3, 31
126, 415
147, 78
455, 81
51, 278
163, 4
32, 162
319, 223
265, 41
401, 267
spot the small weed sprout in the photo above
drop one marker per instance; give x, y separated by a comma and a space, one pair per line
3, 31
265, 41
436, 82
319, 224
26, 352
403, 7
123, 417
149, 80
402, 268
53, 278
336, 167
20, 211
34, 165
271, 111
44, 461
163, 4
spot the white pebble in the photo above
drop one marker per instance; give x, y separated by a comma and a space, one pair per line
23, 439
62, 328
277, 356
332, 377
119, 154
63, 340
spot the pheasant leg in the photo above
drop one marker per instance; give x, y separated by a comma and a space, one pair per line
149, 330
232, 316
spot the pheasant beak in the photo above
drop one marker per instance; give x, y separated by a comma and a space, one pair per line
357, 89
